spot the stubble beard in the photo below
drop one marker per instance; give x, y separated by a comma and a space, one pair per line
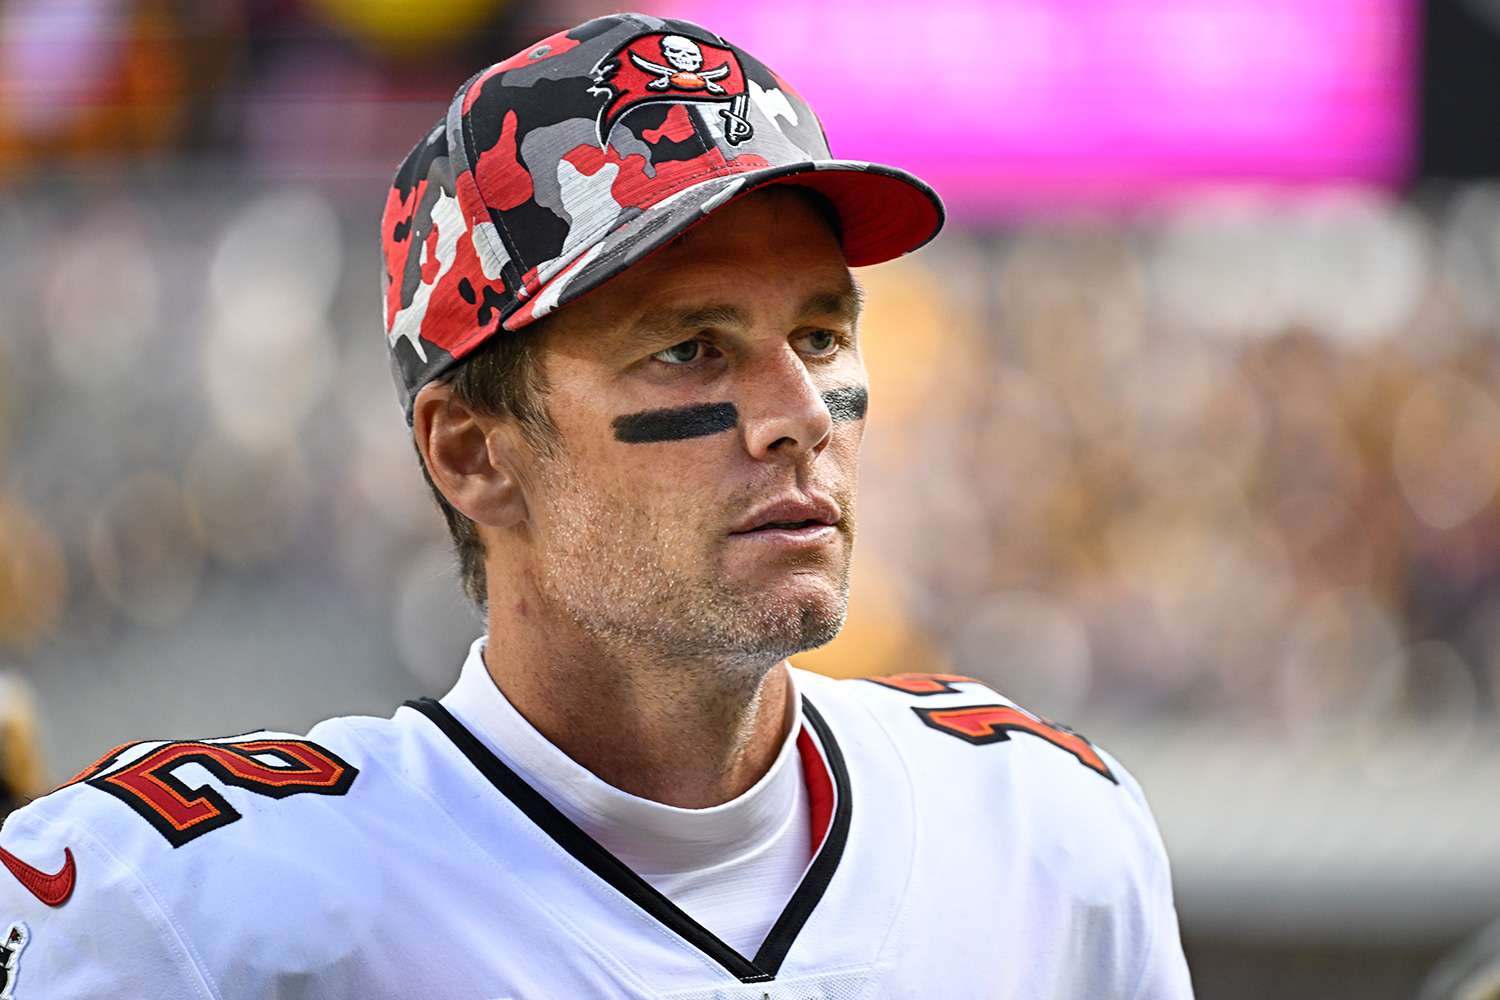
603, 569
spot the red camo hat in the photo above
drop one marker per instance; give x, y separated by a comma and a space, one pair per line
563, 165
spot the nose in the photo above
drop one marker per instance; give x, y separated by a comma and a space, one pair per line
783, 414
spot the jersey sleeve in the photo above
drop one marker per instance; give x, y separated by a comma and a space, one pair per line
108, 938
1165, 976
1164, 973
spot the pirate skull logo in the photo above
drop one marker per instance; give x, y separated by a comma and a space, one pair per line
652, 68
685, 70
682, 53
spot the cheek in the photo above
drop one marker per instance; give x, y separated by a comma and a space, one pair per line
845, 442
840, 463
686, 479
669, 486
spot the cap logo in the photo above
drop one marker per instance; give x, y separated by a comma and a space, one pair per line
650, 69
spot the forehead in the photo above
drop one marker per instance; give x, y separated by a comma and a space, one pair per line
769, 251
781, 222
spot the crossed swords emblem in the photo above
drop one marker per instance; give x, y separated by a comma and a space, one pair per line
686, 74
664, 75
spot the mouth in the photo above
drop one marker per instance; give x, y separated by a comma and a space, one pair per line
808, 523
794, 516
789, 537
792, 526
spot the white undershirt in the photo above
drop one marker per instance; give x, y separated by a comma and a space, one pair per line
731, 867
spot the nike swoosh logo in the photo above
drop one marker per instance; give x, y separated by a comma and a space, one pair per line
54, 889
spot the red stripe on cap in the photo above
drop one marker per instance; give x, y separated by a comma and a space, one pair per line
819, 787
552, 45
527, 293
677, 126
472, 93
398, 212
504, 182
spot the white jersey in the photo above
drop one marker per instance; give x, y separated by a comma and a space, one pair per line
965, 849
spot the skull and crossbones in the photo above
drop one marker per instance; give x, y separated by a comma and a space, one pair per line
683, 73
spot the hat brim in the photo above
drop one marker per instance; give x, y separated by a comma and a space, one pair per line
883, 212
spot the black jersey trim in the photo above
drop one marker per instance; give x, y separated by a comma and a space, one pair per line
588, 852
820, 873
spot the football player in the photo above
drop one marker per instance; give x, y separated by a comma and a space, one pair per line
624, 330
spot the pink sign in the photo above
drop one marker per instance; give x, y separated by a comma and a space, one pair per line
1016, 104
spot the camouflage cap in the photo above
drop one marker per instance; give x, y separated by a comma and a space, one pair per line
566, 163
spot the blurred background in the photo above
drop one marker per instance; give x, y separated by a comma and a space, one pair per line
1186, 432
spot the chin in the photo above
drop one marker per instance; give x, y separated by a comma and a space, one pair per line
819, 629
799, 618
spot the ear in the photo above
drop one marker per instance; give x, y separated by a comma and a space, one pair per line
473, 459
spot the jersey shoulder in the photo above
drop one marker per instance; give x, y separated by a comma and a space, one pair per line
979, 765
152, 796
163, 857
227, 815
957, 731
1022, 801
964, 709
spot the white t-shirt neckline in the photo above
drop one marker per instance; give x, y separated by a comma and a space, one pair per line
652, 838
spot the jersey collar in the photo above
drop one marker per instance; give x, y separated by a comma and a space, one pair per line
831, 807
653, 838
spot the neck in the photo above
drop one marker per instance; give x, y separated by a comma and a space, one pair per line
691, 735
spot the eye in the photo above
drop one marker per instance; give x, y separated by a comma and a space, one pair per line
684, 353
823, 342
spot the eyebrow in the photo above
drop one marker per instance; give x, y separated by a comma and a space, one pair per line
842, 303
658, 323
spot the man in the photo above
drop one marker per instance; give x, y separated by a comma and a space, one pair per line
624, 330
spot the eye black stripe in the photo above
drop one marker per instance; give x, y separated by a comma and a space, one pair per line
847, 403
678, 424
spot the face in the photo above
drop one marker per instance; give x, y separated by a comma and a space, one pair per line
713, 389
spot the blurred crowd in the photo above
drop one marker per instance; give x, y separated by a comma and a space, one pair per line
290, 86
1237, 459
1233, 457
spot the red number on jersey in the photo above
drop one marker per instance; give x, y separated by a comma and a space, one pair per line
923, 683
182, 813
980, 724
